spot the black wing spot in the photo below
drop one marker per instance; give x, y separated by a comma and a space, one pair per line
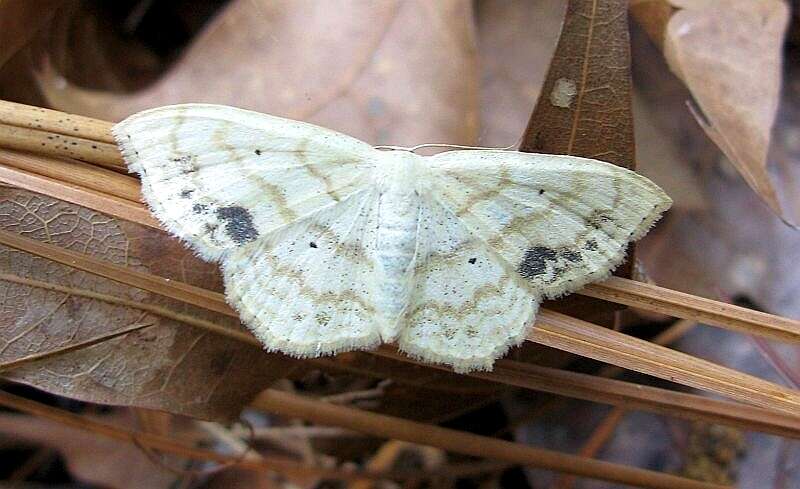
472, 261
534, 263
541, 191
238, 224
312, 244
258, 152
571, 256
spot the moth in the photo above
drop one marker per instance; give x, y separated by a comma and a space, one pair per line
328, 244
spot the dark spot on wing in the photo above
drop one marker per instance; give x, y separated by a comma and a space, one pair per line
258, 152
571, 255
199, 208
186, 163
597, 219
238, 224
590, 245
472, 261
541, 191
536, 260
312, 244
534, 263
187, 193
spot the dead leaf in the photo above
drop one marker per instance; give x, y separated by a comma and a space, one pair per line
400, 73
728, 52
584, 108
516, 41
736, 247
91, 458
661, 160
585, 105
388, 72
168, 366
19, 22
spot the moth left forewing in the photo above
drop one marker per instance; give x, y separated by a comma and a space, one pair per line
220, 177
560, 221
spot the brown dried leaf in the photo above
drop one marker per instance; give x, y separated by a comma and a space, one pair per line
661, 160
516, 41
728, 52
19, 22
386, 72
585, 105
91, 458
168, 366
401, 73
584, 108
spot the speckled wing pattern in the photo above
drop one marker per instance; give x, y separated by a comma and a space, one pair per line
468, 306
309, 288
220, 177
560, 221
318, 260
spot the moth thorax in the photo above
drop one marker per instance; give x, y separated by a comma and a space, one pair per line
397, 171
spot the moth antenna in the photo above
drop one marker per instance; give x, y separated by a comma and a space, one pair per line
446, 145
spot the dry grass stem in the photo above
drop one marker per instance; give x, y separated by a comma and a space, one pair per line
51, 144
295, 406
77, 194
552, 329
169, 445
678, 304
561, 382
20, 115
75, 172
592, 341
52, 170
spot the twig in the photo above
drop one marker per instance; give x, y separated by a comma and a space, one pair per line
75, 172
295, 406
607, 427
169, 445
24, 139
591, 341
275, 432
615, 289
528, 376
359, 395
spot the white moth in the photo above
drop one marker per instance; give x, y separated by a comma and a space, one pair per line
328, 244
